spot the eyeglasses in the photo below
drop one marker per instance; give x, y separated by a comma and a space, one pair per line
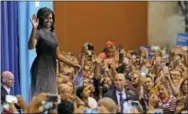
174, 74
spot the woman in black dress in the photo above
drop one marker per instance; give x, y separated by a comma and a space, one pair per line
43, 37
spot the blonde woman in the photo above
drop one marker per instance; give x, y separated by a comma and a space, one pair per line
167, 101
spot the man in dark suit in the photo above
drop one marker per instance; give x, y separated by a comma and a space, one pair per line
7, 84
119, 94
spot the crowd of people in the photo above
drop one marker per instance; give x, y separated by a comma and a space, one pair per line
155, 77
151, 78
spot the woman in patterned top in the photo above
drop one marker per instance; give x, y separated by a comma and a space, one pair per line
167, 101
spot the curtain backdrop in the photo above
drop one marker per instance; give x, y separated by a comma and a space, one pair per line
26, 10
9, 41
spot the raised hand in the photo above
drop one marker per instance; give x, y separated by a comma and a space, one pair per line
22, 103
78, 67
34, 21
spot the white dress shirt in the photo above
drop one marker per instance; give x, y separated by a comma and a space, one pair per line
7, 89
118, 96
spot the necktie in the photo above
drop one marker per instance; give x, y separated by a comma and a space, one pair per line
121, 102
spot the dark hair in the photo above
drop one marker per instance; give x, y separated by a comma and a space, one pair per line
181, 86
148, 76
79, 91
90, 47
44, 13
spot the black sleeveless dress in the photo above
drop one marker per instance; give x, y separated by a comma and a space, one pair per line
43, 70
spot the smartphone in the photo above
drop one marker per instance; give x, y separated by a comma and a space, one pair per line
90, 111
144, 71
166, 70
54, 98
137, 105
129, 105
11, 99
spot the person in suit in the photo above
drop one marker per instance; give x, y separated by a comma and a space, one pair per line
7, 84
119, 93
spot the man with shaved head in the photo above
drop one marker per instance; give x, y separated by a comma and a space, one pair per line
119, 93
7, 80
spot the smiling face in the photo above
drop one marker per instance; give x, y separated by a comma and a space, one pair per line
185, 86
48, 21
46, 18
86, 92
149, 83
162, 92
175, 75
135, 78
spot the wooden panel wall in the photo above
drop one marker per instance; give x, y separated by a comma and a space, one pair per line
122, 22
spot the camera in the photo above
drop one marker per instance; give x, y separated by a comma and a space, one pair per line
54, 98
50, 102
11, 99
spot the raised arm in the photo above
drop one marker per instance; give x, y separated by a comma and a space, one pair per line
33, 38
175, 89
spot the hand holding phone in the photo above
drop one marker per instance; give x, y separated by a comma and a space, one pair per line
166, 70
